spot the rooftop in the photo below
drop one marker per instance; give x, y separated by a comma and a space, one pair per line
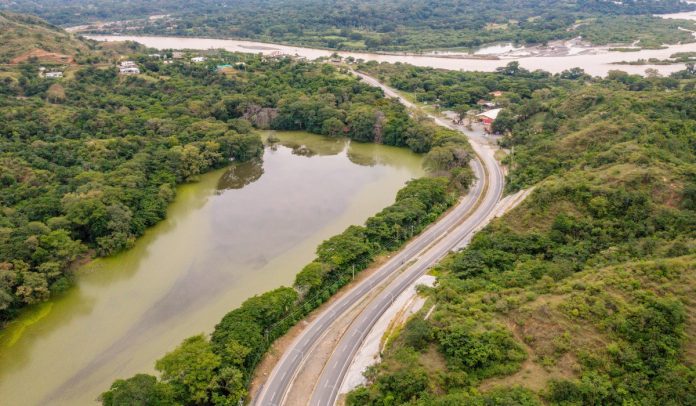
492, 114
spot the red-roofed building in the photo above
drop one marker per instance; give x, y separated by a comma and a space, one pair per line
487, 118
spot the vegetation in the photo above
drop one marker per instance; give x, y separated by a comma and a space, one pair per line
584, 293
645, 31
393, 25
91, 160
460, 91
216, 371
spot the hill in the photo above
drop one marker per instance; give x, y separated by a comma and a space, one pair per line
584, 294
24, 36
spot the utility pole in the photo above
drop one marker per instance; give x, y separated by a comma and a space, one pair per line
353, 271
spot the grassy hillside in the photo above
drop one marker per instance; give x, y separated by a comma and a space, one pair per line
25, 35
585, 293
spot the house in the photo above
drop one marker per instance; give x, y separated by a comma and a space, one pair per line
487, 118
129, 70
53, 75
155, 56
486, 103
198, 59
177, 55
496, 93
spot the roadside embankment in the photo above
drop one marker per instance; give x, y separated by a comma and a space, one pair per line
404, 306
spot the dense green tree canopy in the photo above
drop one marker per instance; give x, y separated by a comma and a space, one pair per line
582, 294
87, 172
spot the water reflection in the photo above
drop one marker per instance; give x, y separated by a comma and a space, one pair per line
359, 153
359, 157
240, 175
307, 145
236, 232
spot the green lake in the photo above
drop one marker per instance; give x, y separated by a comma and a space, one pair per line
237, 232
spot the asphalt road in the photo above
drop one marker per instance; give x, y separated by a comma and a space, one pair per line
426, 249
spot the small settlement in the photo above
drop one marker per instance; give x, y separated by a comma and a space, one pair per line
128, 68
53, 74
490, 111
131, 68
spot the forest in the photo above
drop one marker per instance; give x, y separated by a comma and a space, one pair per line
217, 369
604, 218
460, 91
90, 161
387, 25
583, 295
579, 296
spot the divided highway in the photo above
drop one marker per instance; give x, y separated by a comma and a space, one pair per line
414, 260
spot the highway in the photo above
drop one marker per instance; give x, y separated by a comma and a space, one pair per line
421, 253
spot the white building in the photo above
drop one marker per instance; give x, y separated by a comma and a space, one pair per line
491, 114
53, 75
128, 64
129, 70
198, 59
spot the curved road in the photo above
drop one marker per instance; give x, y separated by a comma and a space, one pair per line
426, 249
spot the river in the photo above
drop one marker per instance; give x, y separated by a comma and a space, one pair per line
236, 232
686, 15
596, 61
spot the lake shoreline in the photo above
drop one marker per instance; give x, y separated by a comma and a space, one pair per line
225, 238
